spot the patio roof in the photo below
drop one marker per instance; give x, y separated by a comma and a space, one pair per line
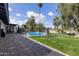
13, 24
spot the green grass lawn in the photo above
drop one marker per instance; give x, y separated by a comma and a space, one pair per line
65, 43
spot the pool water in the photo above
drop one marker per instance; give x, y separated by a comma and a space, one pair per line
35, 34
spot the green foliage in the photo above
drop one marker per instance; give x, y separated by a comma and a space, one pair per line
69, 14
40, 27
57, 23
32, 26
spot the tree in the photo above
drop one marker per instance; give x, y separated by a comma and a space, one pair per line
57, 23
75, 9
40, 27
30, 24
69, 14
62, 10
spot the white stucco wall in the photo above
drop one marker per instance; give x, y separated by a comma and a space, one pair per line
3, 26
15, 29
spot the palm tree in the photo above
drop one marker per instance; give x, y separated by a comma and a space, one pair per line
40, 6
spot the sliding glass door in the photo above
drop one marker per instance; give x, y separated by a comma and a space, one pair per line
0, 29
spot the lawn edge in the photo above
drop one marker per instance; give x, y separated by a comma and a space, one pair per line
46, 45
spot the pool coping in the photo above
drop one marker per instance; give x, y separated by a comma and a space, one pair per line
46, 46
44, 34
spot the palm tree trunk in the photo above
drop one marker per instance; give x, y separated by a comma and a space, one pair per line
39, 16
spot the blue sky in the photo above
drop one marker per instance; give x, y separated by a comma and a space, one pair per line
20, 12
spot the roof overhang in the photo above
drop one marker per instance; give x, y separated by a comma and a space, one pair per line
4, 14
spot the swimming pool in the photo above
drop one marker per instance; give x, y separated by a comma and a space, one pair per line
35, 34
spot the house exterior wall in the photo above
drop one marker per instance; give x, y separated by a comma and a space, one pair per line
11, 29
3, 26
4, 13
4, 16
15, 29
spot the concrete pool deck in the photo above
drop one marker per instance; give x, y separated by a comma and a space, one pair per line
17, 45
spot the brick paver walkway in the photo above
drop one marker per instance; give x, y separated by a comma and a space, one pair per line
17, 45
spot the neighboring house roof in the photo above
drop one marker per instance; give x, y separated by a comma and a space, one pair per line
4, 13
13, 24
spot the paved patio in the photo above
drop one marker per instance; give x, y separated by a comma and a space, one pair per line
17, 45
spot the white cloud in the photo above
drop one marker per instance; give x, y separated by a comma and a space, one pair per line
36, 15
18, 14
30, 13
10, 9
14, 17
50, 14
39, 19
48, 24
14, 20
